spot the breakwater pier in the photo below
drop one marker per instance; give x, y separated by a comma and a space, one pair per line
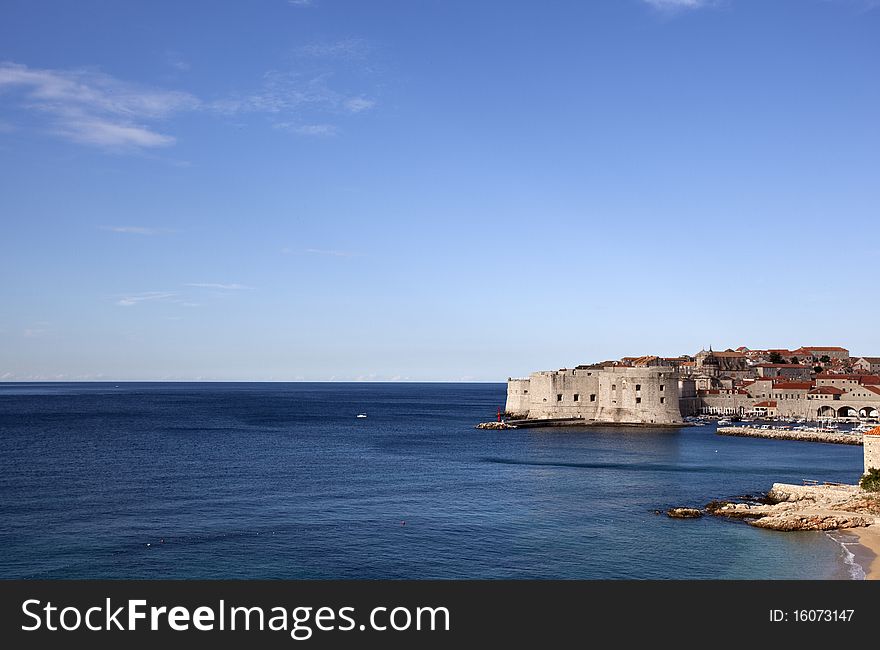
833, 437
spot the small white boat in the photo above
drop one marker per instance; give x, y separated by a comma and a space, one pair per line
362, 415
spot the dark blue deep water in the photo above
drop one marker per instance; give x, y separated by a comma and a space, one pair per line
171, 480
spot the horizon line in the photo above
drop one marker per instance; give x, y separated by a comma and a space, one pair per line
248, 381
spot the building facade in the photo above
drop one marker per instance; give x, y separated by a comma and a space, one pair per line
615, 395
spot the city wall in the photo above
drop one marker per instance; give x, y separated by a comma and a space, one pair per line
614, 395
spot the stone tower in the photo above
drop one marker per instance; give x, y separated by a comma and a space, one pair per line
871, 441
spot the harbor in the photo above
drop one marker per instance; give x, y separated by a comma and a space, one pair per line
789, 433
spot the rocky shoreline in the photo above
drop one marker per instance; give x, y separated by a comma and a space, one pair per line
798, 507
793, 434
495, 425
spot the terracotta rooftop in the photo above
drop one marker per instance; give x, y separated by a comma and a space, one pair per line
862, 379
793, 385
780, 365
768, 404
873, 432
824, 349
827, 390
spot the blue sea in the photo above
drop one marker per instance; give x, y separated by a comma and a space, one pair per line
282, 480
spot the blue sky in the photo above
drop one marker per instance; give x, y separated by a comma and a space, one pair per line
432, 190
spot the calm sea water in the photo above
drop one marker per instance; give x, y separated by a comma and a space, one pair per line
170, 480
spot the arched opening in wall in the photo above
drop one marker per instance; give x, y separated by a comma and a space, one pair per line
847, 412
869, 412
826, 412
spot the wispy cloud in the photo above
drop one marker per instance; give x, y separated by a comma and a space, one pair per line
300, 3
331, 253
317, 130
146, 296
290, 93
94, 108
33, 332
174, 59
235, 286
358, 104
679, 4
136, 230
349, 48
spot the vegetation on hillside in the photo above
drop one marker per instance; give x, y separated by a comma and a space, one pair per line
871, 481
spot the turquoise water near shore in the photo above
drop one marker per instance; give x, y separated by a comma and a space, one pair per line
176, 480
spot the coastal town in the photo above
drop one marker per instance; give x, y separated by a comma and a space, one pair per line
811, 394
810, 383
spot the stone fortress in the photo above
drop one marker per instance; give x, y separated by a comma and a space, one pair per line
618, 395
871, 441
807, 383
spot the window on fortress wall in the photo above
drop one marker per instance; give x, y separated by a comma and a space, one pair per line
638, 400
593, 398
662, 387
613, 386
638, 387
525, 392
559, 397
662, 400
576, 397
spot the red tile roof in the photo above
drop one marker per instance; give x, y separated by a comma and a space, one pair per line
824, 349
862, 379
780, 365
768, 404
873, 432
827, 390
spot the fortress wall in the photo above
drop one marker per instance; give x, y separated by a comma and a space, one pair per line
872, 451
689, 405
639, 395
613, 395
564, 394
729, 404
517, 398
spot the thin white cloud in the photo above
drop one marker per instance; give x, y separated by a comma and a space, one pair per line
136, 230
300, 3
316, 130
358, 104
146, 296
678, 4
292, 92
174, 59
331, 253
33, 333
349, 48
94, 108
235, 286
104, 133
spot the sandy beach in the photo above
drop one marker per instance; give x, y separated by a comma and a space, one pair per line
867, 553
